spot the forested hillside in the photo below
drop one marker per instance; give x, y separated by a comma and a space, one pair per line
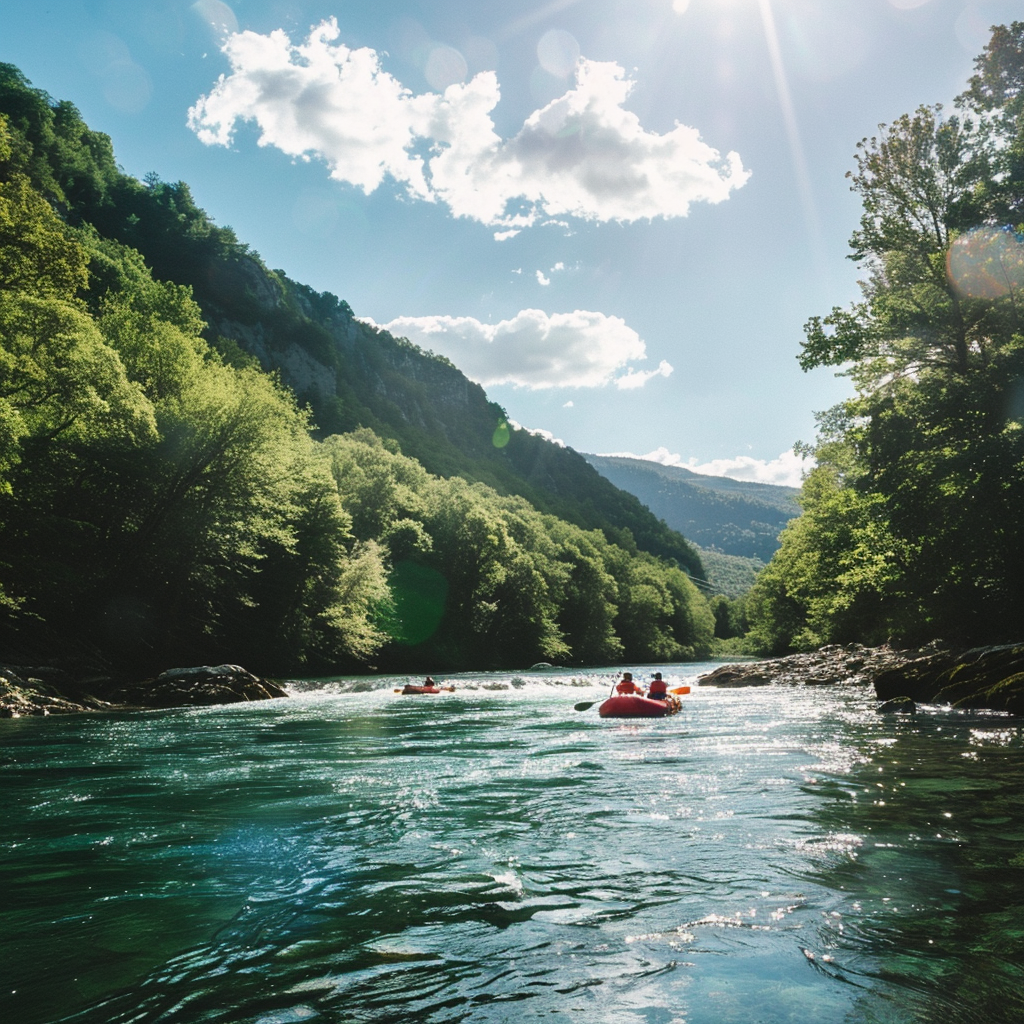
164, 500
729, 575
349, 373
732, 516
911, 528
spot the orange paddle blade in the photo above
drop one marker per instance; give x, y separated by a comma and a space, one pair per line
680, 690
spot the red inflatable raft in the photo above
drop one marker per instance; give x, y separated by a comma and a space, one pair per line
409, 688
631, 706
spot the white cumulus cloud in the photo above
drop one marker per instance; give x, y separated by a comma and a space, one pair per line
539, 432
535, 349
786, 471
582, 155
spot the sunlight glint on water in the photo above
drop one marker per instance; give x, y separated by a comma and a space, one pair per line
771, 854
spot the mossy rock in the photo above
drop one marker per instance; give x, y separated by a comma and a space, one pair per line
983, 677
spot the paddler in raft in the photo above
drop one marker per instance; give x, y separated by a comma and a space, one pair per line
658, 690
626, 685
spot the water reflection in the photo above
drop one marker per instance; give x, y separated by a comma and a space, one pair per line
927, 869
766, 856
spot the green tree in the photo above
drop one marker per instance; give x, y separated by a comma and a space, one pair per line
587, 607
910, 528
919, 182
995, 94
730, 616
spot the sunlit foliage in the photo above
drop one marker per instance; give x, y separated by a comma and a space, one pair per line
911, 527
163, 500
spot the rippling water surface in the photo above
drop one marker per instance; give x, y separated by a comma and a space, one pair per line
768, 855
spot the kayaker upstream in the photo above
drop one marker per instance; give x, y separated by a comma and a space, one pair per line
658, 690
428, 686
626, 685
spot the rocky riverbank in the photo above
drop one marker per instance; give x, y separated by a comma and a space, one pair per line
982, 677
850, 663
43, 690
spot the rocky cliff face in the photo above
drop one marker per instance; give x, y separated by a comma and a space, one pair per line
323, 352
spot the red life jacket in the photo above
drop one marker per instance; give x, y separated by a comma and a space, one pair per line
658, 689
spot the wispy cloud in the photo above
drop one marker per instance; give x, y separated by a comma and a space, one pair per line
638, 378
787, 470
535, 349
583, 155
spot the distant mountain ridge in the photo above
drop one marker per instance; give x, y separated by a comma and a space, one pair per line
735, 517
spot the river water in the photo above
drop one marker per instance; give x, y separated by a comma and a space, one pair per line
771, 854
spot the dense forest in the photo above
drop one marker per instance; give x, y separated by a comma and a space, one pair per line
911, 527
166, 500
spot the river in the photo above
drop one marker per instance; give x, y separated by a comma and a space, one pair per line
771, 854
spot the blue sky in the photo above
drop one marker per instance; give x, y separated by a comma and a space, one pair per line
615, 214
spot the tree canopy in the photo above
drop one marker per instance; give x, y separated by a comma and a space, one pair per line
164, 500
910, 527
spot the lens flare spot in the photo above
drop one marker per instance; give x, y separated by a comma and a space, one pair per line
315, 214
445, 66
481, 53
502, 434
217, 15
419, 594
986, 263
558, 53
127, 87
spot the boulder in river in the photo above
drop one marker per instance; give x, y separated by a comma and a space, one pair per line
35, 691
41, 690
199, 686
898, 706
983, 677
735, 675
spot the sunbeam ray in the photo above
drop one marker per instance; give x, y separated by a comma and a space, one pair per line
796, 149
